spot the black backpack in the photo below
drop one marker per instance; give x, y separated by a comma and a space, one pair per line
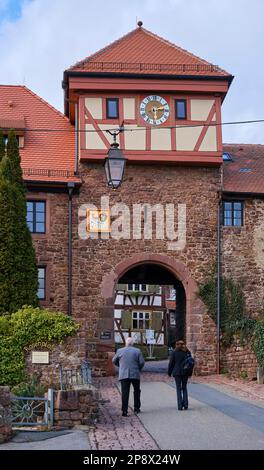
187, 365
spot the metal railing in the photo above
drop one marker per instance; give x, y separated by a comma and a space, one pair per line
76, 376
47, 172
118, 66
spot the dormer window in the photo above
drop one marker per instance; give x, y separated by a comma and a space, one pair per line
112, 111
20, 140
17, 125
227, 157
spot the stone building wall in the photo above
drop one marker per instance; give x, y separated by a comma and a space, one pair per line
243, 262
93, 259
5, 415
243, 255
239, 361
52, 252
52, 249
68, 355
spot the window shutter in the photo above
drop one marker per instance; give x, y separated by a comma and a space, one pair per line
156, 321
152, 289
121, 286
126, 320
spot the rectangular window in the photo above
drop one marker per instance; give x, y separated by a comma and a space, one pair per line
180, 109
141, 320
137, 287
18, 138
112, 108
36, 216
232, 213
42, 283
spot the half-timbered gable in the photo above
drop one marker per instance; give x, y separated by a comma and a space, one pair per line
167, 100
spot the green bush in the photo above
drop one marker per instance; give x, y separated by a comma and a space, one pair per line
30, 388
233, 317
258, 342
24, 329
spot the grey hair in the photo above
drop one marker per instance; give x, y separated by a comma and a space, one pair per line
129, 341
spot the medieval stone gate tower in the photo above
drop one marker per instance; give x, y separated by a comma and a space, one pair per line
168, 102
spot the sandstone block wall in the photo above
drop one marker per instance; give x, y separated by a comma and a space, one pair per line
240, 362
243, 255
76, 407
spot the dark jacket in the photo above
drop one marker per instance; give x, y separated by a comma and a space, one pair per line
176, 362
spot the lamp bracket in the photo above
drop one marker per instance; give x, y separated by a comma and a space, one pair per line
114, 133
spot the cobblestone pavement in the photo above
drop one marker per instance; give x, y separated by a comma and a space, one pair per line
112, 430
115, 432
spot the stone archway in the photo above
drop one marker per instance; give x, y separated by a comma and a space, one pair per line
179, 270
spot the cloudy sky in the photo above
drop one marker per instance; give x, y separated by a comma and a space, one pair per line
39, 39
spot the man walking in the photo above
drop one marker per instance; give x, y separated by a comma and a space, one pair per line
130, 362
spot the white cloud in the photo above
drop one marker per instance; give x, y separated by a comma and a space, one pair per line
51, 35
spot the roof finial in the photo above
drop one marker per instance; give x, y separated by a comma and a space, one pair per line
140, 23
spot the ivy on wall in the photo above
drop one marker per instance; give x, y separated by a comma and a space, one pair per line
258, 342
28, 327
233, 319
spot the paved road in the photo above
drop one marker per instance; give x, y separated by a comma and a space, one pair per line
74, 440
214, 420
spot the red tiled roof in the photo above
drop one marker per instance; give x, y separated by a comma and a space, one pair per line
245, 173
140, 51
52, 147
12, 123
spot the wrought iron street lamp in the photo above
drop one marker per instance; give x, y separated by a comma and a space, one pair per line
114, 163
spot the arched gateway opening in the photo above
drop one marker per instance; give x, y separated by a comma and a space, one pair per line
138, 291
150, 300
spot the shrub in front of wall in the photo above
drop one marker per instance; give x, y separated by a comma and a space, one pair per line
24, 329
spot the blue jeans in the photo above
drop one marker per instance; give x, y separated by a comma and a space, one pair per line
181, 388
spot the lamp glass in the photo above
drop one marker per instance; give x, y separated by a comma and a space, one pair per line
114, 167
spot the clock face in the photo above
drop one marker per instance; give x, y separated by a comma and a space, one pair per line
154, 110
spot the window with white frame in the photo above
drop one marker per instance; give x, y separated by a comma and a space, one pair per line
137, 287
140, 320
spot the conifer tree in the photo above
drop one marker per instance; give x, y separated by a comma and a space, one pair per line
11, 170
2, 145
18, 270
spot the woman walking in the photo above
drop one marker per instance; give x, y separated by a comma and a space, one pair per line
176, 369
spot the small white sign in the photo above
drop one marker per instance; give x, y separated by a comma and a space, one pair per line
150, 336
40, 357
